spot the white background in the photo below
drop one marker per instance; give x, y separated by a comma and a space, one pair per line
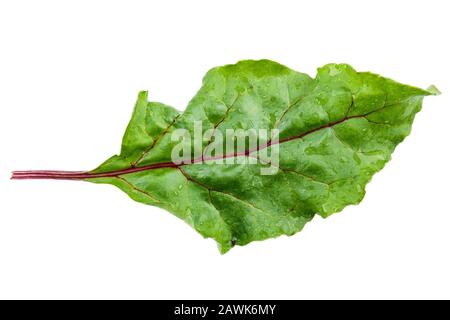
69, 76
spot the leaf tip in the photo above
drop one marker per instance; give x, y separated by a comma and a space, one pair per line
143, 95
433, 90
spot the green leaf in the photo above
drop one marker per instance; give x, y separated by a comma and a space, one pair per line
335, 132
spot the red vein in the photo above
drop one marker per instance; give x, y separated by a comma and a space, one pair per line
80, 175
146, 151
132, 186
208, 144
289, 107
190, 178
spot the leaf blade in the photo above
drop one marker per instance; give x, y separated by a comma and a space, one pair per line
336, 131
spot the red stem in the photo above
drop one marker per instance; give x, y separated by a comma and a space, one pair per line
79, 175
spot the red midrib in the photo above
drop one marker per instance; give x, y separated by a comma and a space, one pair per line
79, 175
